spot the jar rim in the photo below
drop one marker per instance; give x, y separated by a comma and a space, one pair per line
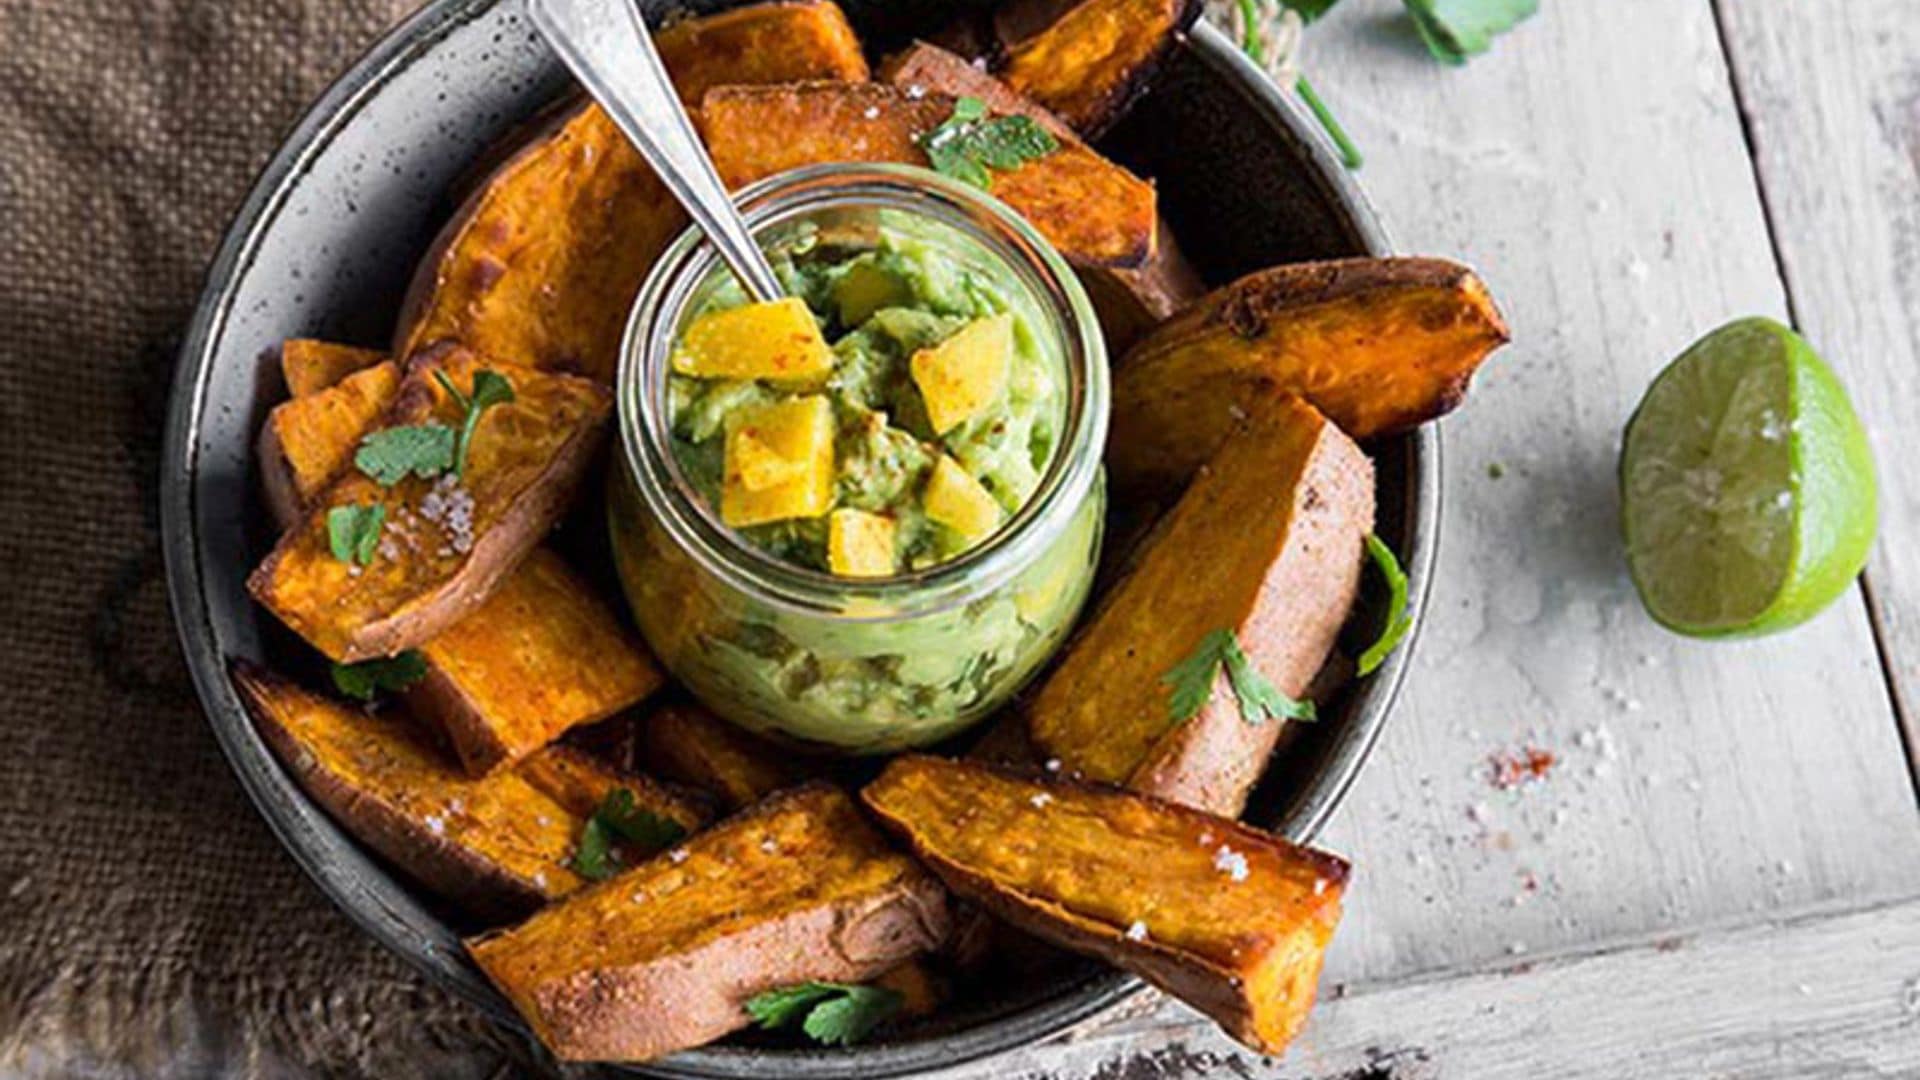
694, 526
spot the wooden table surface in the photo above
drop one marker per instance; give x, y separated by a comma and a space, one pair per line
1720, 876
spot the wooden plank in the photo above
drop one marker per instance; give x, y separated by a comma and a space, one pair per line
1829, 996
1833, 111
1593, 167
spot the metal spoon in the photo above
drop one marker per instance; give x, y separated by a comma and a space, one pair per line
606, 46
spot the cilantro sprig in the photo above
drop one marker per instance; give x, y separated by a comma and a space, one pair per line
1190, 683
830, 1013
1456, 30
390, 454
969, 142
620, 816
1399, 619
391, 674
489, 388
353, 532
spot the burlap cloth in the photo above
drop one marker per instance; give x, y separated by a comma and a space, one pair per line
149, 924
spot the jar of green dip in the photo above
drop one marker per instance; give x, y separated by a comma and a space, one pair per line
861, 518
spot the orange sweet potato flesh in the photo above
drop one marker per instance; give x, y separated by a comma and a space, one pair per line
1379, 345
544, 260
1278, 519
1093, 211
498, 846
311, 365
1087, 61
541, 656
685, 743
308, 441
1231, 920
526, 459
1129, 302
661, 957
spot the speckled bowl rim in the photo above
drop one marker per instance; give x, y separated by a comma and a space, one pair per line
396, 918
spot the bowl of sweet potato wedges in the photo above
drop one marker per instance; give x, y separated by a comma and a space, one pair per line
416, 657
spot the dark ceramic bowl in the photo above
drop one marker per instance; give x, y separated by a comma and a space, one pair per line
324, 246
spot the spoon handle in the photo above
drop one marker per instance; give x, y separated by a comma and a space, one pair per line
606, 46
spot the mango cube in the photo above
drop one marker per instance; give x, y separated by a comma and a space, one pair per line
865, 289
859, 544
787, 448
777, 340
958, 501
966, 373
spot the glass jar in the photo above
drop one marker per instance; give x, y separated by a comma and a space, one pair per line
860, 665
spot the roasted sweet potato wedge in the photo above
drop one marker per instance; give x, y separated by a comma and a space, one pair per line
1087, 60
1129, 301
499, 846
1278, 519
1095, 212
1231, 920
685, 743
307, 441
661, 957
444, 544
310, 365
542, 655
545, 258
1379, 345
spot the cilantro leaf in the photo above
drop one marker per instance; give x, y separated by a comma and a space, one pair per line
1399, 620
1455, 30
1191, 682
353, 532
968, 143
595, 858
636, 824
831, 1013
1259, 699
489, 388
388, 455
619, 816
787, 1005
369, 677
848, 1019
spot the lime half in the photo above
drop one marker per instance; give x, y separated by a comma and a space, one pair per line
1746, 485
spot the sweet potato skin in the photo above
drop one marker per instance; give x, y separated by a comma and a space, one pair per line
310, 365
1093, 211
1379, 345
545, 258
527, 457
683, 742
1279, 519
662, 956
542, 655
499, 846
1241, 941
1087, 61
308, 441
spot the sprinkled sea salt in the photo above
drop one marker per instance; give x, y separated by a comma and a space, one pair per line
1053, 764
677, 856
436, 824
1231, 863
1137, 931
1041, 800
915, 91
871, 112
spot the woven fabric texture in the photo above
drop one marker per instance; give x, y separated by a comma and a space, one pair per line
149, 923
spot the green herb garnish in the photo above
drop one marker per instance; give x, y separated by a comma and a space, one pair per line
969, 142
353, 532
1399, 620
831, 1013
489, 388
1191, 683
1455, 30
619, 815
390, 674
388, 455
